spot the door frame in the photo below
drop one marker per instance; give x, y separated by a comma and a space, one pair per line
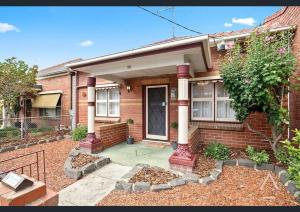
157, 137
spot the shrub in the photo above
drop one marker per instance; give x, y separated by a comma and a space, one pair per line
282, 155
293, 149
256, 156
9, 132
217, 151
79, 133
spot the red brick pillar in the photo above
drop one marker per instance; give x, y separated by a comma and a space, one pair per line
182, 158
92, 144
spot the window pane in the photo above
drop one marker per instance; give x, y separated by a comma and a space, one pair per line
203, 91
114, 108
101, 108
101, 95
221, 92
224, 110
202, 109
114, 94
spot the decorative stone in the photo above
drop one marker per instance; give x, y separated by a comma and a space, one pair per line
283, 176
88, 169
277, 169
141, 187
160, 187
291, 187
191, 177
265, 166
21, 146
74, 153
206, 180
142, 165
42, 141
31, 144
122, 185
219, 165
7, 149
70, 172
230, 162
51, 139
215, 174
246, 163
177, 182
297, 195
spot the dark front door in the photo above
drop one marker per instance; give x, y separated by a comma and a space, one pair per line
156, 112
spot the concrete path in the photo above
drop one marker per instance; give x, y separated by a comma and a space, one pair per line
92, 188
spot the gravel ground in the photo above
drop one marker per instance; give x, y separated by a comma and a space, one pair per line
55, 153
82, 159
236, 186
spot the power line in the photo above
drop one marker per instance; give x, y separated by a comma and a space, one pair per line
173, 22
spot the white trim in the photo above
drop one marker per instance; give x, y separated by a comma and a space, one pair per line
51, 92
211, 99
107, 85
141, 50
52, 76
149, 136
218, 77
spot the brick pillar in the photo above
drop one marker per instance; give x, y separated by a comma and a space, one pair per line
182, 158
91, 143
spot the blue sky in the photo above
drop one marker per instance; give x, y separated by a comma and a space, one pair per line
50, 35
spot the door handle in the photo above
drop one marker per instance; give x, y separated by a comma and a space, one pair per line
164, 104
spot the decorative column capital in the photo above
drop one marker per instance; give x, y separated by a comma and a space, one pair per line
183, 71
91, 81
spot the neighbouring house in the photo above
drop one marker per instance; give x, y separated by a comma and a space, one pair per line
176, 80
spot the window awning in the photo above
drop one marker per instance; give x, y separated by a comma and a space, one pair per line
46, 101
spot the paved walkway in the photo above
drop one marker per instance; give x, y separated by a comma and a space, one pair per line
154, 154
94, 187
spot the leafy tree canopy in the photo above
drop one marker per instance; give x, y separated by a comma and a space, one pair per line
256, 76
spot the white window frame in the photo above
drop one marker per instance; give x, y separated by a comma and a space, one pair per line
214, 100
216, 105
202, 100
107, 101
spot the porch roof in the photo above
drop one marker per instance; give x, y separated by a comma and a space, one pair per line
152, 60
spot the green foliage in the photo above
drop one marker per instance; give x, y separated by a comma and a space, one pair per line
293, 149
282, 155
79, 133
174, 125
217, 151
16, 78
130, 121
10, 132
256, 156
256, 76
41, 129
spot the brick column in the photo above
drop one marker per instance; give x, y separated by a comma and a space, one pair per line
91, 144
182, 158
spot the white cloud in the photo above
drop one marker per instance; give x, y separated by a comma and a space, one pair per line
245, 21
5, 27
226, 24
86, 43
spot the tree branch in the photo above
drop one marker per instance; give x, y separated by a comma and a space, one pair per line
259, 133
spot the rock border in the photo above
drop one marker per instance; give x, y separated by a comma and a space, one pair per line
77, 173
188, 177
21, 146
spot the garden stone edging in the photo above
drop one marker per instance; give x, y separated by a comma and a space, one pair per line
77, 173
21, 146
124, 184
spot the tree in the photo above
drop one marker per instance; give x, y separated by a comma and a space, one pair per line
16, 79
256, 75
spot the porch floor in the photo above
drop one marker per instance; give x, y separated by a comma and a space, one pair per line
154, 154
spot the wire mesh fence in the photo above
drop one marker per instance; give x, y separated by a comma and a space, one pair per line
30, 127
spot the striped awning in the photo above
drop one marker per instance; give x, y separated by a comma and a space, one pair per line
46, 101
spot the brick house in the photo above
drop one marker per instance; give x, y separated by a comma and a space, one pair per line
175, 80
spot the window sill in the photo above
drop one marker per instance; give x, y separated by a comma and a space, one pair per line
230, 126
107, 119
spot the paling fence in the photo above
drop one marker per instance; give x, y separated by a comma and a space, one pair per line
13, 129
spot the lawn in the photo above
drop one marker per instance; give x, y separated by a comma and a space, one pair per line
236, 186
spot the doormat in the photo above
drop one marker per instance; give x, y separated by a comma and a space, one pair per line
156, 145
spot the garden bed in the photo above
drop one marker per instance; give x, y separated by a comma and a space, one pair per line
153, 175
81, 160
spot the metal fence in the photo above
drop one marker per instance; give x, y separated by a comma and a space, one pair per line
19, 128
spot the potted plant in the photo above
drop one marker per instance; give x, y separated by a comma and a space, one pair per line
130, 140
174, 143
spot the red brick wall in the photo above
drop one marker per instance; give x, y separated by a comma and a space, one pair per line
194, 139
291, 16
58, 83
112, 134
